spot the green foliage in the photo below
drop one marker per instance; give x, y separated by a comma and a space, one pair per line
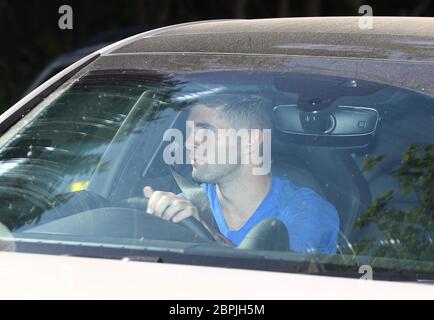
408, 233
371, 162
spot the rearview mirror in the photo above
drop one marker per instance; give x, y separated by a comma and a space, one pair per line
343, 126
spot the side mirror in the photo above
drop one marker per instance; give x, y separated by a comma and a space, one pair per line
6, 239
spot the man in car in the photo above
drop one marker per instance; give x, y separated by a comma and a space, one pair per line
239, 197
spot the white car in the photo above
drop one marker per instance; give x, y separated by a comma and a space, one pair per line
351, 118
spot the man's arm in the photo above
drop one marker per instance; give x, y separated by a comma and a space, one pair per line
169, 206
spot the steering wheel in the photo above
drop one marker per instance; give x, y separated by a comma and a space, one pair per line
73, 203
197, 227
190, 223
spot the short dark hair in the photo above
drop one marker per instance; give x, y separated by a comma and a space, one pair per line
248, 111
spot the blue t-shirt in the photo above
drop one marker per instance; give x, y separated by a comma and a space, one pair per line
312, 222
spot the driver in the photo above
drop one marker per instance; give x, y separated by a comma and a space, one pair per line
239, 197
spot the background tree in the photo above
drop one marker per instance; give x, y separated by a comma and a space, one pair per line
409, 233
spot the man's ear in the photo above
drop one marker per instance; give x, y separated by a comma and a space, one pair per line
256, 139
251, 142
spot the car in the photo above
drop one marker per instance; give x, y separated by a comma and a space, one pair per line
351, 122
61, 63
65, 60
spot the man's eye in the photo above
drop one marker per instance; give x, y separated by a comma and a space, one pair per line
205, 131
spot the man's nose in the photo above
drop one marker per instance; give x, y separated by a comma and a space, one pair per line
190, 142
195, 138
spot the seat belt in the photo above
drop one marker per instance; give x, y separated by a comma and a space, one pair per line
198, 197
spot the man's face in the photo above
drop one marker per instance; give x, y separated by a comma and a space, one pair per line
206, 123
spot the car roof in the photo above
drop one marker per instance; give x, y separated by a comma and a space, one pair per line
392, 38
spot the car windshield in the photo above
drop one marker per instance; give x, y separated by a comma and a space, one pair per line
331, 165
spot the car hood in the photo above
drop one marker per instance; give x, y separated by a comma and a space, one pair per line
36, 276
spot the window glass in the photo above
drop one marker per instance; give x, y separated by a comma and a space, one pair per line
264, 158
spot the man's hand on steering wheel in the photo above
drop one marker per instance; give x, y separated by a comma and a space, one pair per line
169, 206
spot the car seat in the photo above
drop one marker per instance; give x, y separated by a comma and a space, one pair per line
332, 173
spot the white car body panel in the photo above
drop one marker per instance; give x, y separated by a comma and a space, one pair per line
37, 276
